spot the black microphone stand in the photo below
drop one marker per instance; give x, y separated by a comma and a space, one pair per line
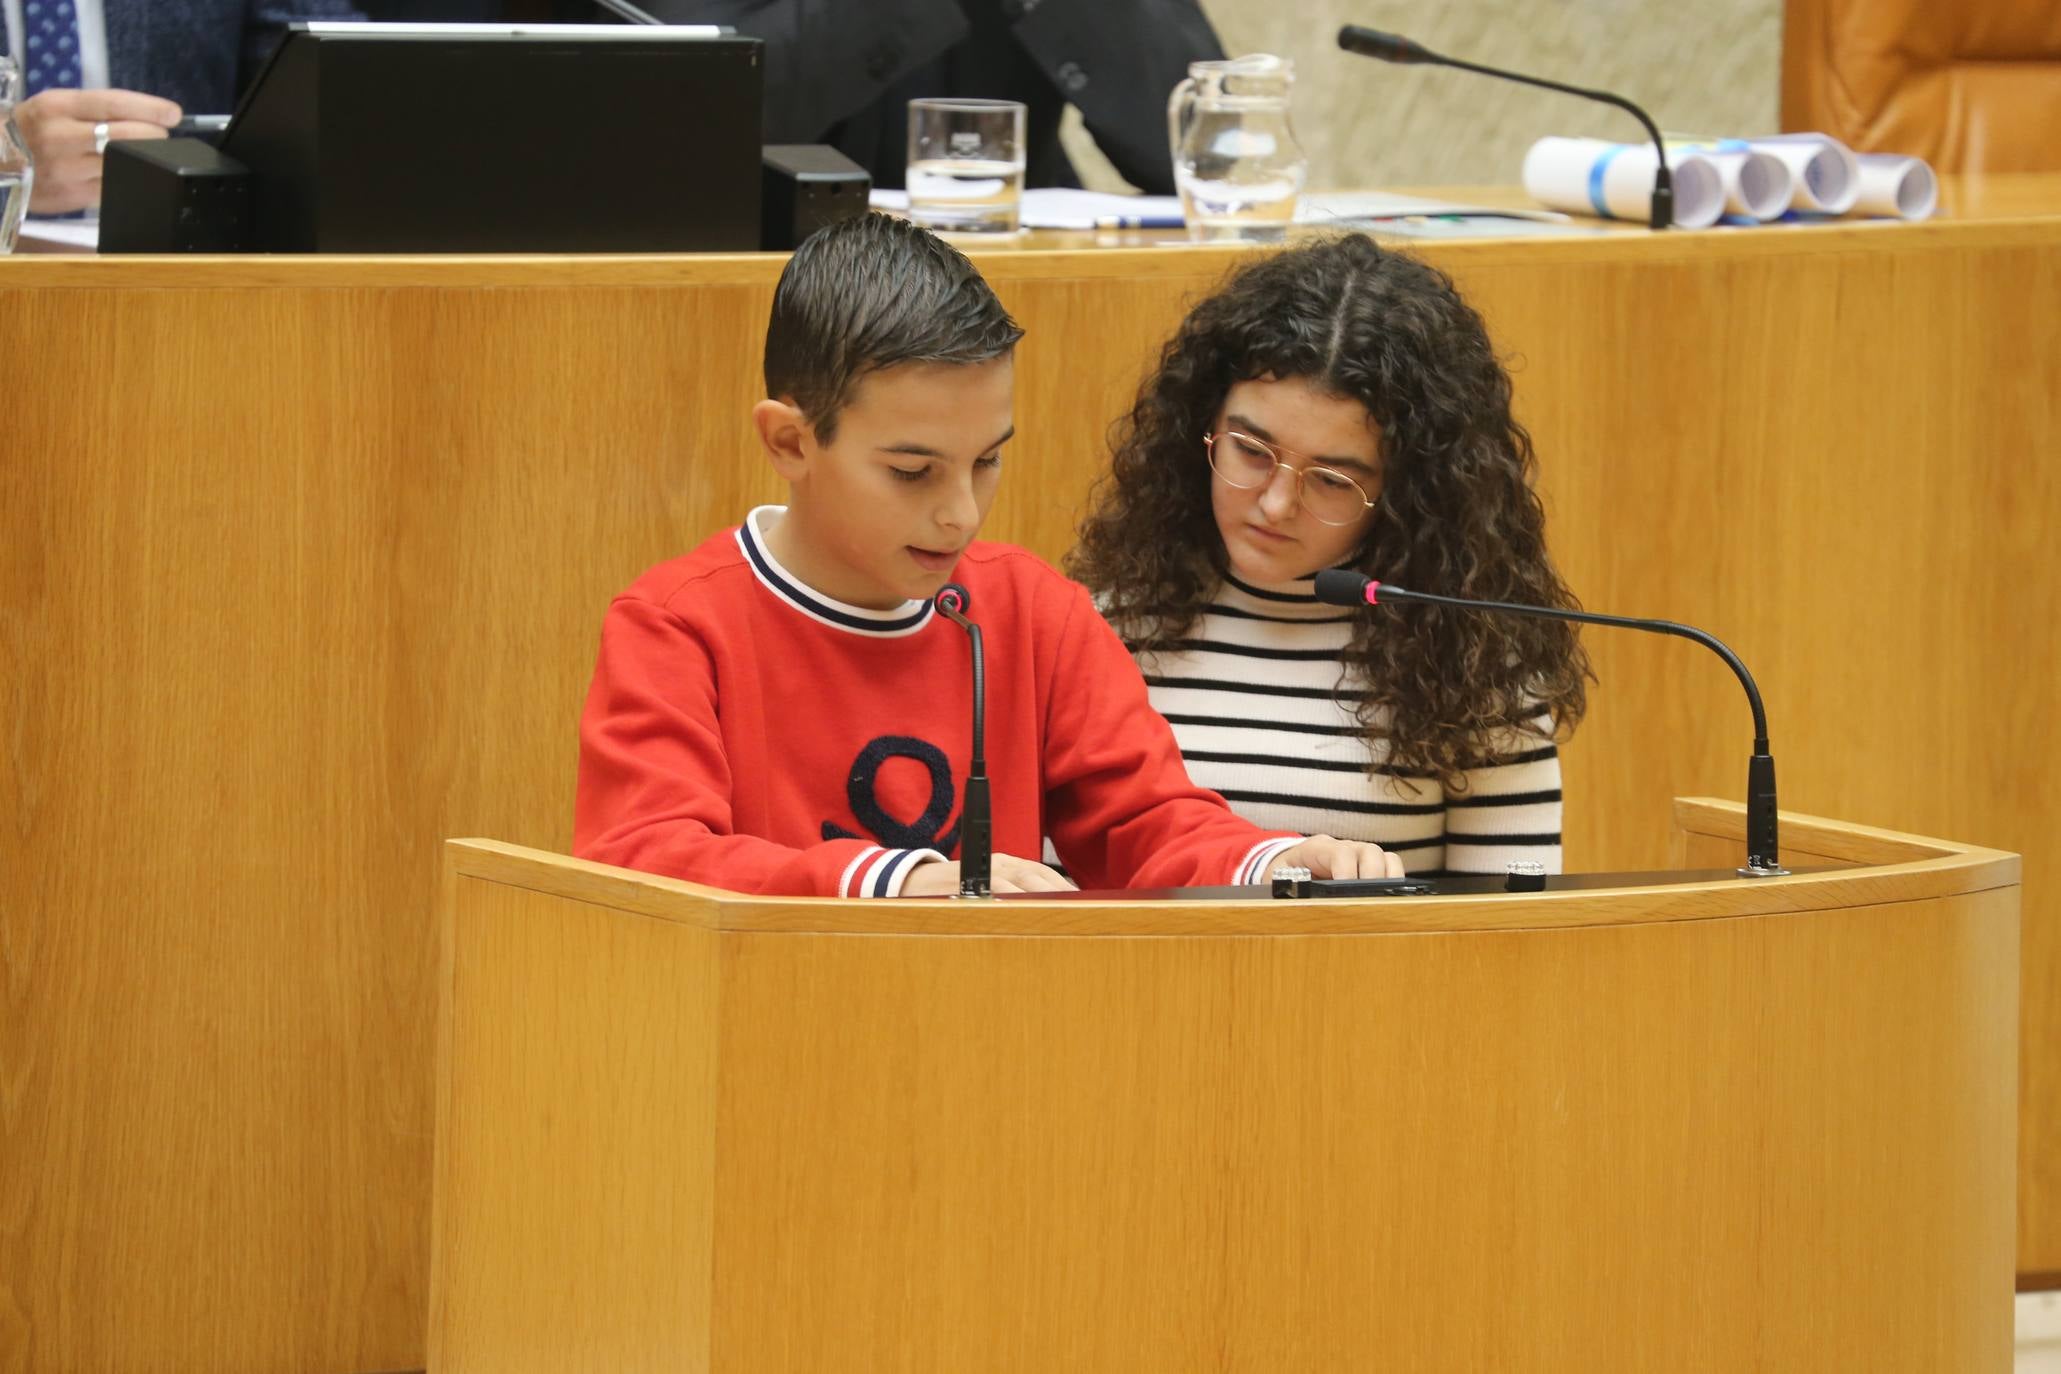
976, 820
1763, 842
1392, 47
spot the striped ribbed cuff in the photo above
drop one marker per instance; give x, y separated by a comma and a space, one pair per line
1259, 860
878, 872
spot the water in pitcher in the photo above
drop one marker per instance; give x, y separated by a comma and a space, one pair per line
1249, 209
965, 196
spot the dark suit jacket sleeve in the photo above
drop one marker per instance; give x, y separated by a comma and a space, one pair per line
1117, 64
827, 59
200, 53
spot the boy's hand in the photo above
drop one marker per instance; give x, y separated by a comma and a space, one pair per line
935, 878
1325, 857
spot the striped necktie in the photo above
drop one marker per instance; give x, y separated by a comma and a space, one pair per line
50, 45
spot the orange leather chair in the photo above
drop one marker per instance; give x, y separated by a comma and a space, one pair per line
1968, 85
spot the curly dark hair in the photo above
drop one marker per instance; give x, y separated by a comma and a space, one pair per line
1456, 513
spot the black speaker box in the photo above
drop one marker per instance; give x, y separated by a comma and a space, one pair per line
807, 186
173, 195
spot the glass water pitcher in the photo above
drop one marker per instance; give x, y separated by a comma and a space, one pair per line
1236, 162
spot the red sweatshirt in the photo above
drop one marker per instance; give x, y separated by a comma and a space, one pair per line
749, 733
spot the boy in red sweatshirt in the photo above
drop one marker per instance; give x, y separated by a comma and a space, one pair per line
782, 710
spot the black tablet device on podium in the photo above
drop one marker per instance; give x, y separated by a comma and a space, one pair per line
495, 138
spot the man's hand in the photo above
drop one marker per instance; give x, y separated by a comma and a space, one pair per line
1325, 857
58, 127
935, 878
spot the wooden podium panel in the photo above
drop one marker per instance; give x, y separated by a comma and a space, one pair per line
302, 563
1708, 1127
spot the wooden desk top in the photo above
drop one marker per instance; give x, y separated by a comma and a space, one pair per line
1995, 209
1869, 866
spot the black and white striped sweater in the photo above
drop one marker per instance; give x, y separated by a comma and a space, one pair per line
1255, 697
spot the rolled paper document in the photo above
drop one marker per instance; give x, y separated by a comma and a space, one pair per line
1827, 176
1759, 186
1901, 186
1615, 180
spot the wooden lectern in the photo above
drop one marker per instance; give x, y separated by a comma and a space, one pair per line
1699, 1125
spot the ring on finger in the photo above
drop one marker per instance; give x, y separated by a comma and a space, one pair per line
100, 139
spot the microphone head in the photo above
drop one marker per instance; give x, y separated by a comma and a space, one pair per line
953, 599
1344, 587
1385, 47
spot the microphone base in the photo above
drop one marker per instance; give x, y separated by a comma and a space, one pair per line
1753, 870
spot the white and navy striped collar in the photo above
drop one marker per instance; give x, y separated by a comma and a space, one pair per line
904, 619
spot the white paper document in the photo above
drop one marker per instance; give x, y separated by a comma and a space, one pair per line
61, 234
1590, 176
1343, 207
1055, 207
1902, 187
1060, 207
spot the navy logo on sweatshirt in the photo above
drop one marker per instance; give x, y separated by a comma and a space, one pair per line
862, 790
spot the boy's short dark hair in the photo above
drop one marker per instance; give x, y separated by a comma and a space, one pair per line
870, 293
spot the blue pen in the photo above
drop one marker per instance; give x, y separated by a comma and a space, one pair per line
1140, 222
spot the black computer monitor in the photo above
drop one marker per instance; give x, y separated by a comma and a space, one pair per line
407, 138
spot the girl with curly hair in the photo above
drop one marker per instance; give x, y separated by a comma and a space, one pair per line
1340, 405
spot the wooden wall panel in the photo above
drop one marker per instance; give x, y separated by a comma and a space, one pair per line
299, 581
301, 564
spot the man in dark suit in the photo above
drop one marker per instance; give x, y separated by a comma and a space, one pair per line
843, 71
98, 70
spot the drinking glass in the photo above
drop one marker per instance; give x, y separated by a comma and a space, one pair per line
17, 174
966, 165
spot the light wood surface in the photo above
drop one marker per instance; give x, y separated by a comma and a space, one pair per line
1744, 1138
1902, 868
619, 1013
302, 561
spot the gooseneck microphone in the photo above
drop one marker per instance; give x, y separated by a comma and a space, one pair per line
1343, 587
1393, 47
976, 820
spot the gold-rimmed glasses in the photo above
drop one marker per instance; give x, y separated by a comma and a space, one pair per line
1247, 463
